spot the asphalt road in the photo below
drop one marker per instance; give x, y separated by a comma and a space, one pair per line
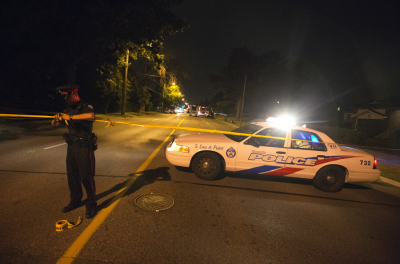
384, 156
235, 219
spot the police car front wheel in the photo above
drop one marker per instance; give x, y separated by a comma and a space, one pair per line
206, 166
330, 179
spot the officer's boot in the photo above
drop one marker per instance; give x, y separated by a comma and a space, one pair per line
90, 211
71, 206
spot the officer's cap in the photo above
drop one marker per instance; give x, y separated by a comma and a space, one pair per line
68, 88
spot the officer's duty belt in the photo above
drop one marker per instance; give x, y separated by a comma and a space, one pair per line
80, 142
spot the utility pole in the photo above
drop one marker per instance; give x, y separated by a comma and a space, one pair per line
162, 72
162, 101
244, 90
125, 81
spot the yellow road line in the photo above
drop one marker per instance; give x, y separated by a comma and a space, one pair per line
76, 247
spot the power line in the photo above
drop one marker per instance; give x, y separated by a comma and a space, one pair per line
153, 90
153, 75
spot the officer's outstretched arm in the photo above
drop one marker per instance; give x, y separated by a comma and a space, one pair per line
85, 116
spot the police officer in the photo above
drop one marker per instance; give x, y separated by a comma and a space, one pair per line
80, 157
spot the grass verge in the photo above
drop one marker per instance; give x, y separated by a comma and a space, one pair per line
246, 119
390, 172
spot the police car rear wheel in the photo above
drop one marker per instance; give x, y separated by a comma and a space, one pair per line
206, 166
329, 179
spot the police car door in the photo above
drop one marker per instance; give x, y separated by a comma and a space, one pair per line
263, 155
304, 154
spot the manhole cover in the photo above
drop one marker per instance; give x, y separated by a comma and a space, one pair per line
154, 202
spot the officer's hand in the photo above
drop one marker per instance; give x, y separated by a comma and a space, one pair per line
56, 120
58, 117
64, 116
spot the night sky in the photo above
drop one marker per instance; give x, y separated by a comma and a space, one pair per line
331, 35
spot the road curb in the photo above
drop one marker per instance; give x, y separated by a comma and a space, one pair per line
391, 182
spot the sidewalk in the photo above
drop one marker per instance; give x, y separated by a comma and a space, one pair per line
389, 181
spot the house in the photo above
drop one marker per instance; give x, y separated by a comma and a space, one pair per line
376, 122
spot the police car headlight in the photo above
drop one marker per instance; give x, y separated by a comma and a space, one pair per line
179, 148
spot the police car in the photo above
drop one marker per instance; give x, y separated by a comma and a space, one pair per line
292, 151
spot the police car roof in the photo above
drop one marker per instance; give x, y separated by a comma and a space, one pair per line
324, 136
269, 124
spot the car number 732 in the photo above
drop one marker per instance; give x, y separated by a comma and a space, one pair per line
366, 162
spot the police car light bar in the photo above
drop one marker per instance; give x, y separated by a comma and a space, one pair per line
282, 121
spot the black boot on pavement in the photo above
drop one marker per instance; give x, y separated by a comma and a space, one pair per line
90, 211
70, 207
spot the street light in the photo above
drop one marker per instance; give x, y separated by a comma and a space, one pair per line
183, 99
179, 93
173, 83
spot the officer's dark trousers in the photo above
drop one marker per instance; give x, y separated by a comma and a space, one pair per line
81, 169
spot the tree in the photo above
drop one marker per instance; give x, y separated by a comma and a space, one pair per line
172, 94
110, 84
46, 42
170, 71
241, 61
266, 75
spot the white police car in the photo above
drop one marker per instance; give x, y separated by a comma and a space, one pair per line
310, 155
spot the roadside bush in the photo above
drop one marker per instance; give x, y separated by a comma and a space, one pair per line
342, 135
396, 134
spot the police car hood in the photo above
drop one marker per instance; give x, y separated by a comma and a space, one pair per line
202, 138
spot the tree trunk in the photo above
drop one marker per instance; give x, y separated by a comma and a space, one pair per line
143, 104
123, 105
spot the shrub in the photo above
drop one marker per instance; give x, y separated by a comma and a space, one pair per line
396, 134
342, 135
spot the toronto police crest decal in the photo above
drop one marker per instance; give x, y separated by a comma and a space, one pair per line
230, 153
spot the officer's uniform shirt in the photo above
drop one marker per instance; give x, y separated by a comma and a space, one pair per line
79, 128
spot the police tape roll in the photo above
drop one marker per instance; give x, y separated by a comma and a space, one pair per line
64, 224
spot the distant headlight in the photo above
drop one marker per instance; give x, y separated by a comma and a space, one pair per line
179, 148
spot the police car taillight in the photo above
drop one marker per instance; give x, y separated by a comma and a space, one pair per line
375, 163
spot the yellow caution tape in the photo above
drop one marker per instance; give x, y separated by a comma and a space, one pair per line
38, 116
112, 123
64, 224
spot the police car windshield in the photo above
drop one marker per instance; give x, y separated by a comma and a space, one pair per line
247, 129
